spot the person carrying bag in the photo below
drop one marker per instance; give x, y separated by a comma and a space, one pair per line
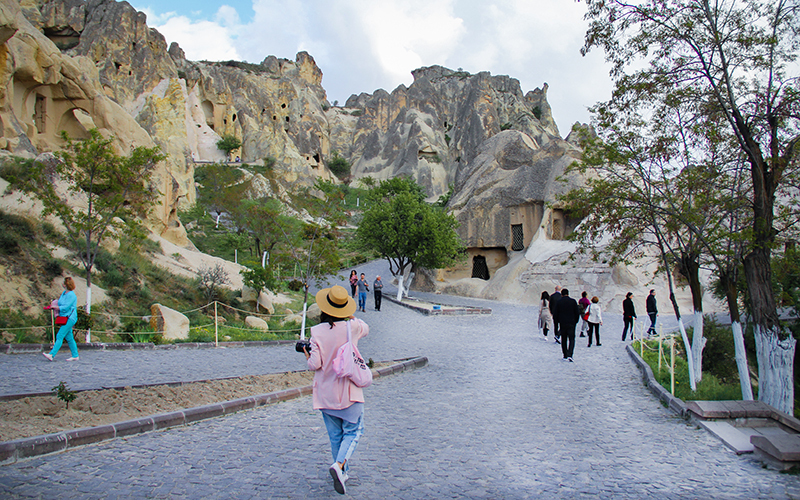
339, 375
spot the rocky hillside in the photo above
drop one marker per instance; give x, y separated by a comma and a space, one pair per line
79, 64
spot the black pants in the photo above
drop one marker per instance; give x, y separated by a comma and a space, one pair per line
628, 323
378, 297
652, 328
556, 330
596, 328
567, 332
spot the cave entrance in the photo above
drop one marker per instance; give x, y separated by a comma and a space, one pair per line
479, 267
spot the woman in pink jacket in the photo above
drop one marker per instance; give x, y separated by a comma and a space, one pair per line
341, 402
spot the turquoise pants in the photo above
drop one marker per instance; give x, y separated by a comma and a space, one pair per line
66, 332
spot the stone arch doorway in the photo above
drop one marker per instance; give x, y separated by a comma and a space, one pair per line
479, 267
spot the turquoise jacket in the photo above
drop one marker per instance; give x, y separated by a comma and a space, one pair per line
68, 305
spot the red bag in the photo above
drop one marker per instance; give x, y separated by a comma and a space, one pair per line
586, 314
61, 320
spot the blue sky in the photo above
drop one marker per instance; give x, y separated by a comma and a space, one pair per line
364, 45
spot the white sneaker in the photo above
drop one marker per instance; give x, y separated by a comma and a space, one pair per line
73, 359
338, 476
48, 356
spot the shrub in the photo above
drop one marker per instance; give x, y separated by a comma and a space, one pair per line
52, 268
113, 278
295, 285
228, 143
339, 166
505, 126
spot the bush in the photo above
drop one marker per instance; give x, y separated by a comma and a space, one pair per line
53, 268
113, 278
339, 166
295, 285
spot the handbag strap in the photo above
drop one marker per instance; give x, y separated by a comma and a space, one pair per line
348, 330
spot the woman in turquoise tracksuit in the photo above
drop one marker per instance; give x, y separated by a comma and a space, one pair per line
67, 306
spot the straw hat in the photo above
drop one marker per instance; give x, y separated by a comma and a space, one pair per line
336, 302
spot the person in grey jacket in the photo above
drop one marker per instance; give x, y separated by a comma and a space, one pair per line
377, 288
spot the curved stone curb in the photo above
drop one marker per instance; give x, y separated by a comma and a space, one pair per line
457, 311
675, 404
13, 451
132, 346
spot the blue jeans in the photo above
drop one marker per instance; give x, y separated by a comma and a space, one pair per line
362, 300
66, 332
344, 437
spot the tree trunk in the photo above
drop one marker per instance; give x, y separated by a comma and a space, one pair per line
774, 346
732, 295
690, 267
400, 287
698, 344
741, 361
687, 345
775, 369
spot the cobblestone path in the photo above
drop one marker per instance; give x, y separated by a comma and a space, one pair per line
495, 414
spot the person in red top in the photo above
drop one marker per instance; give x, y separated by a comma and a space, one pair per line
340, 400
582, 305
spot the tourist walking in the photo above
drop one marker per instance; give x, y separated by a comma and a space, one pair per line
377, 289
65, 306
567, 316
553, 303
340, 400
652, 311
353, 282
583, 303
545, 316
363, 288
595, 320
628, 315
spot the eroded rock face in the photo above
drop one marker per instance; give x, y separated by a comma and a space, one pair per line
435, 127
507, 184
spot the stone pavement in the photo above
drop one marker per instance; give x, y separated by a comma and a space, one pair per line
495, 414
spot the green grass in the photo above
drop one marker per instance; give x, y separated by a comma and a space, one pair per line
709, 389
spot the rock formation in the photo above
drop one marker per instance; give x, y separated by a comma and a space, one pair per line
431, 129
74, 64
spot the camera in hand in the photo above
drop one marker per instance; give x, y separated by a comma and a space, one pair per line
303, 343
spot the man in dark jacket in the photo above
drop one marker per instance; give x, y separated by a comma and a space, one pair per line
553, 302
652, 311
628, 315
568, 314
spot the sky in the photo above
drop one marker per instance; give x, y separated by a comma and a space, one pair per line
365, 45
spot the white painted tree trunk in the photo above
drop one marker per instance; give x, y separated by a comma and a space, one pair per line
89, 311
400, 288
689, 357
303, 325
775, 365
741, 361
698, 344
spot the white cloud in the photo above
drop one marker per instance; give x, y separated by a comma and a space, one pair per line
363, 45
200, 40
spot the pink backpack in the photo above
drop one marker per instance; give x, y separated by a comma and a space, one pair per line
348, 363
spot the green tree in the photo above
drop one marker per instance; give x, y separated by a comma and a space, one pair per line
731, 59
310, 239
105, 194
405, 230
229, 143
339, 166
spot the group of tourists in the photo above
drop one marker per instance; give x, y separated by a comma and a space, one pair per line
360, 286
561, 313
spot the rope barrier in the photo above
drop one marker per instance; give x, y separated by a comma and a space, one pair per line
215, 324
